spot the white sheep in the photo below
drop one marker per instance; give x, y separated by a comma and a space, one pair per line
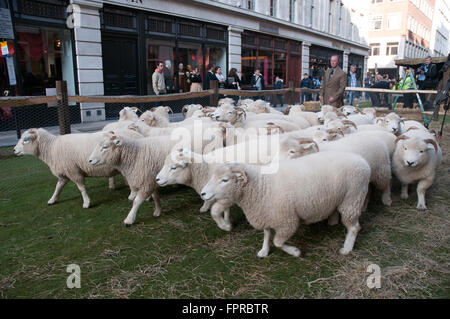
188, 110
128, 114
188, 168
66, 156
284, 200
416, 158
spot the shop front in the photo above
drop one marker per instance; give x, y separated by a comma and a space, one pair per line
273, 56
319, 60
149, 38
43, 54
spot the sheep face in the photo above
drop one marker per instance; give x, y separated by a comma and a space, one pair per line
128, 113
106, 151
162, 111
228, 113
390, 122
349, 109
327, 136
225, 183
148, 118
175, 169
414, 152
292, 148
28, 143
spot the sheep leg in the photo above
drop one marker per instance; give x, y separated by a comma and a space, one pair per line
206, 205
367, 199
112, 184
132, 214
334, 218
82, 188
132, 195
353, 229
226, 216
62, 181
264, 252
404, 194
422, 186
157, 211
216, 214
279, 241
386, 196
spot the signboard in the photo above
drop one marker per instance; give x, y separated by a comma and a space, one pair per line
6, 28
11, 72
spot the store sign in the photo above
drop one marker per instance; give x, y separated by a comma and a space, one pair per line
6, 28
268, 27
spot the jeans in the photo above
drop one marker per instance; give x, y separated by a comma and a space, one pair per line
351, 97
306, 97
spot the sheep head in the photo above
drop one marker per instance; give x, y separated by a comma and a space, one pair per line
226, 182
28, 143
107, 150
291, 147
321, 136
128, 114
414, 151
176, 167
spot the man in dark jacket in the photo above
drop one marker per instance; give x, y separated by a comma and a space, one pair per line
306, 83
380, 83
428, 80
257, 82
278, 99
210, 76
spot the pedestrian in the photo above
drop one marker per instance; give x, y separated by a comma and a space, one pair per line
380, 83
210, 76
308, 84
168, 77
334, 83
159, 86
196, 80
278, 85
353, 81
257, 82
220, 77
428, 79
233, 82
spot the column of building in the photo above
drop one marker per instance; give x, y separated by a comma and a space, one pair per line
88, 46
305, 57
235, 47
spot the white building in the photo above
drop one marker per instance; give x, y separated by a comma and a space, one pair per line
440, 31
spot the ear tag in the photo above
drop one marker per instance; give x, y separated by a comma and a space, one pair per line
184, 164
27, 139
118, 143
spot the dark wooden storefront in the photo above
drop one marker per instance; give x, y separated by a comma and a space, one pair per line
37, 15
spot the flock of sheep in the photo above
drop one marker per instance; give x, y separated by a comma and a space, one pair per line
324, 160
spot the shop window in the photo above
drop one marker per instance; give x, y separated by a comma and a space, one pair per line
265, 66
190, 30
248, 63
215, 34
45, 56
280, 66
165, 52
392, 48
190, 55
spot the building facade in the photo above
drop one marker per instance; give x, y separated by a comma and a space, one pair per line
111, 47
401, 29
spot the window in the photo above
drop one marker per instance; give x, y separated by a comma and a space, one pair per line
330, 17
311, 16
394, 21
375, 49
251, 4
273, 7
377, 22
392, 48
292, 8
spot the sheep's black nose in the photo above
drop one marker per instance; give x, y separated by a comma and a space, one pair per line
203, 194
409, 163
90, 161
157, 179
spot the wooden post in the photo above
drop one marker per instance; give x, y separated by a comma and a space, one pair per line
291, 94
63, 107
214, 99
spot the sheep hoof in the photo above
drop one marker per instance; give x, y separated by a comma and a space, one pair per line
404, 196
421, 206
157, 213
50, 202
203, 209
226, 227
387, 202
263, 253
126, 224
344, 251
85, 206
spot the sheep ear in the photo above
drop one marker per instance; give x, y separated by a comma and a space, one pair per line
117, 140
430, 141
378, 119
134, 109
401, 137
310, 146
241, 175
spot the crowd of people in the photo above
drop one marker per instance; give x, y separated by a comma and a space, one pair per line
426, 77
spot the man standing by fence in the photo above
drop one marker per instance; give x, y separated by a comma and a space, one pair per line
353, 81
258, 82
333, 85
159, 85
306, 83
